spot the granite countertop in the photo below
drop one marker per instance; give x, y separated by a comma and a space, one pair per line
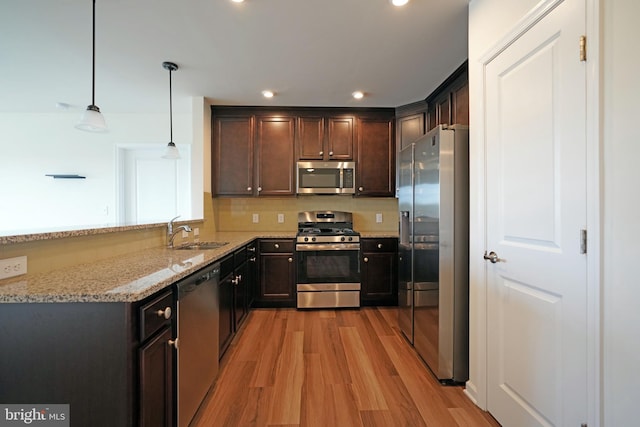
126, 278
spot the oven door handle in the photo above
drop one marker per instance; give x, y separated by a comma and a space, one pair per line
328, 247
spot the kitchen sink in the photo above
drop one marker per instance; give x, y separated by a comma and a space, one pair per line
202, 245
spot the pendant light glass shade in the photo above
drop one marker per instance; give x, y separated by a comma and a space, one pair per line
92, 120
172, 152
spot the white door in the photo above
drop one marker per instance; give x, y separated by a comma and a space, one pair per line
536, 208
152, 189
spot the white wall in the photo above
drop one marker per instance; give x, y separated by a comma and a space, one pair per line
489, 21
32, 145
621, 207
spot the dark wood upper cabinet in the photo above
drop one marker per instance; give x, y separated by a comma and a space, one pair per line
340, 138
460, 101
409, 129
254, 149
449, 103
375, 174
326, 137
275, 142
232, 165
311, 138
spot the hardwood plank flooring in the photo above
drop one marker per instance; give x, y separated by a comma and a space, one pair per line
289, 367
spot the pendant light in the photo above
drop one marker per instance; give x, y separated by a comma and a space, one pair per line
92, 120
172, 151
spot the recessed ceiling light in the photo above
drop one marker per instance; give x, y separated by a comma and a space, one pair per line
267, 93
237, 1
357, 94
399, 2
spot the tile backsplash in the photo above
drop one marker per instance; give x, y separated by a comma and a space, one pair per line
220, 214
238, 214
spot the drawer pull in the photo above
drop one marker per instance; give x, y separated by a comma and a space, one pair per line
290, 259
366, 259
166, 313
379, 245
173, 343
276, 246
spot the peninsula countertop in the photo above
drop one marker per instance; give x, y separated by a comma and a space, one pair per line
124, 278
131, 277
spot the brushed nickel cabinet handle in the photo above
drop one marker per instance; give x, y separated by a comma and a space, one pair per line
166, 313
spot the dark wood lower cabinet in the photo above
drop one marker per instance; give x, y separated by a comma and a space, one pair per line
85, 355
277, 274
379, 271
236, 274
240, 295
226, 325
156, 381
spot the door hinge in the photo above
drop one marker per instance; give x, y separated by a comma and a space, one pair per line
583, 48
583, 241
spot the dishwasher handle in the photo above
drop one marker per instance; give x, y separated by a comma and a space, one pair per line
202, 278
191, 283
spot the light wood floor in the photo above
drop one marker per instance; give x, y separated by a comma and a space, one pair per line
330, 368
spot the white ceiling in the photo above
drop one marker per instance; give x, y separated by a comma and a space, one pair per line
310, 52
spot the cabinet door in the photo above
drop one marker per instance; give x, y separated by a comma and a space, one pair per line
275, 144
226, 313
232, 160
241, 290
310, 138
277, 278
379, 269
431, 117
379, 278
156, 381
460, 99
410, 128
340, 138
376, 158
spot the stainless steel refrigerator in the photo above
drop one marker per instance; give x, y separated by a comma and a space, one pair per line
433, 277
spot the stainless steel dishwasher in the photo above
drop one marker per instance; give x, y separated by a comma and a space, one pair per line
198, 317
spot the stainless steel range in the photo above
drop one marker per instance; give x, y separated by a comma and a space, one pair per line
328, 254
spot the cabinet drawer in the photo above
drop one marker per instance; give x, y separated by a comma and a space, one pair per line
156, 314
277, 246
379, 245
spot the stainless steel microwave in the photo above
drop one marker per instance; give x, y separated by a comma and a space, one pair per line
326, 178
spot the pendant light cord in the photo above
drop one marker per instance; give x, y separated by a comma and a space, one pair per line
93, 65
170, 109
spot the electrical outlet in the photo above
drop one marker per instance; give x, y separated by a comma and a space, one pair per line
185, 234
256, 218
11, 267
196, 231
280, 218
378, 217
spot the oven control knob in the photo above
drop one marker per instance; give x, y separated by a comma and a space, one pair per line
342, 239
306, 239
350, 239
313, 239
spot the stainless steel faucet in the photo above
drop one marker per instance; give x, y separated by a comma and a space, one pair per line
171, 232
